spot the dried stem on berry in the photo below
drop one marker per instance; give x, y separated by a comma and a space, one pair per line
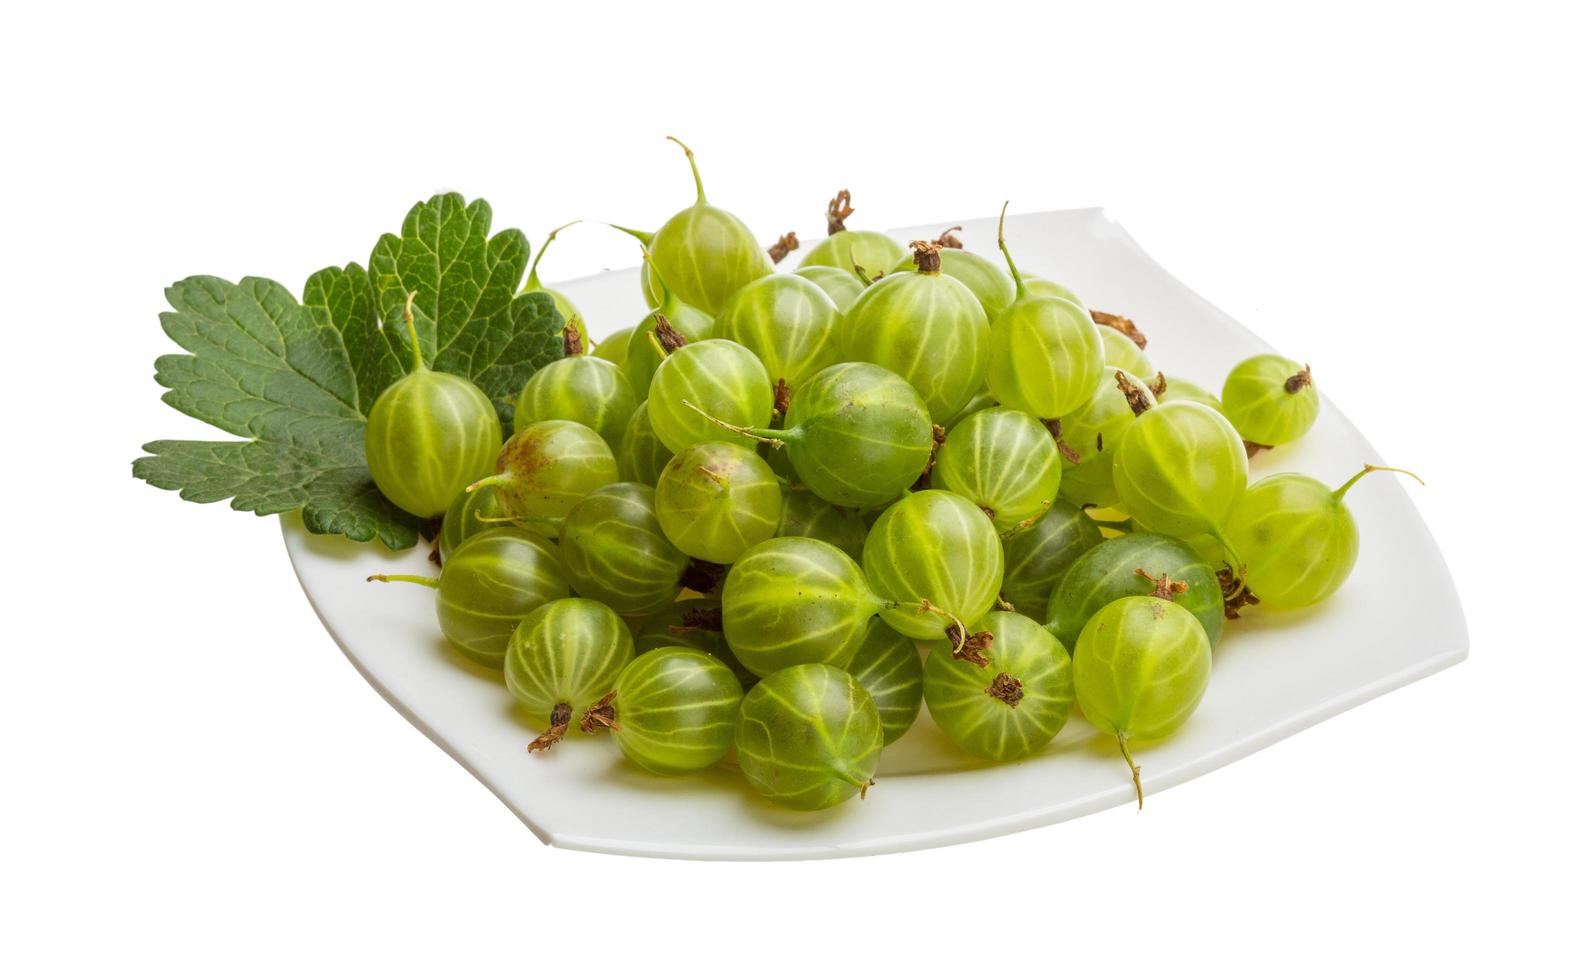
702, 576
1138, 402
839, 210
1298, 380
1122, 324
600, 715
1235, 594
926, 255
558, 725
1163, 586
783, 247
1159, 387
1007, 689
669, 338
948, 240
782, 398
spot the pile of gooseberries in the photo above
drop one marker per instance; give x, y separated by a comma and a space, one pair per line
785, 511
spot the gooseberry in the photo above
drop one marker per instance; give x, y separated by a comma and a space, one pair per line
673, 711
695, 622
1178, 389
562, 658
1011, 705
1088, 437
716, 500
789, 323
1003, 461
1179, 469
871, 253
668, 326
989, 283
805, 515
548, 467
889, 667
720, 377
1117, 568
842, 285
1270, 399
1036, 556
937, 558
581, 389
472, 512
615, 551
808, 737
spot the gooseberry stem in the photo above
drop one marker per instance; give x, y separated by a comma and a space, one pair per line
645, 237
558, 724
1001, 243
418, 363
429, 582
691, 159
532, 282
1134, 770
770, 437
496, 480
838, 211
1370, 468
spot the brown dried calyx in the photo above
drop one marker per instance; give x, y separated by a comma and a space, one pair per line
948, 240
702, 576
937, 439
601, 715
1252, 448
1055, 427
1007, 689
926, 255
1235, 595
558, 724
782, 397
969, 646
1122, 324
1159, 387
783, 247
839, 211
1138, 402
1163, 586
670, 339
572, 341
709, 618
1298, 380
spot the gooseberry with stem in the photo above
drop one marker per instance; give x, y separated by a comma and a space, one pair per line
548, 467
1012, 705
720, 377
808, 737
937, 559
1270, 399
1004, 462
668, 326
561, 302
1113, 570
872, 253
672, 711
715, 500
1088, 437
562, 659
582, 389
989, 282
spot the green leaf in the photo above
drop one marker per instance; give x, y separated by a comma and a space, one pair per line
295, 380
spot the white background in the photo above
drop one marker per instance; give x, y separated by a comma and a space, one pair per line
196, 782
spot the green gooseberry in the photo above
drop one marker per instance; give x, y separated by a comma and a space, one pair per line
429, 434
1140, 668
1112, 570
548, 467
1046, 351
1004, 462
1178, 389
561, 302
716, 500
788, 322
472, 512
936, 557
719, 377
695, 622
581, 389
889, 667
870, 254
805, 515
705, 251
668, 326
1270, 399
927, 328
492, 581
1179, 469
808, 737
673, 711
795, 601
989, 283
1088, 437
980, 402
842, 285
562, 659
1122, 352
1296, 537
1008, 700
1040, 286
1036, 556
613, 347
641, 457
615, 551
855, 434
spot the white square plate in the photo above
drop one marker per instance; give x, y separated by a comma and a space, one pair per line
1397, 619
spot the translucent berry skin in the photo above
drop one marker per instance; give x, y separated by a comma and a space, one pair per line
641, 457
548, 467
1093, 432
805, 515
933, 547
788, 322
704, 253
613, 348
642, 357
1179, 469
1263, 404
465, 518
842, 286
1036, 557
1123, 353
989, 282
1141, 667
1040, 286
927, 328
490, 583
569, 652
889, 667
430, 435
588, 390
1108, 572
794, 601
1297, 539
716, 500
722, 378
1003, 461
1178, 389
808, 737
857, 435
874, 251
615, 551
682, 625
1028, 667
1046, 356
675, 710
